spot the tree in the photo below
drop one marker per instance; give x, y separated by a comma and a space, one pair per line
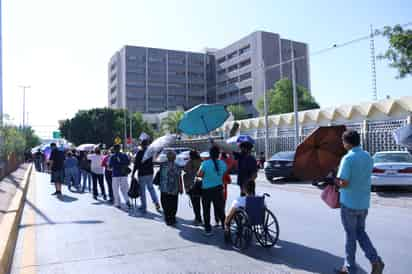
102, 125
238, 112
171, 122
280, 98
399, 53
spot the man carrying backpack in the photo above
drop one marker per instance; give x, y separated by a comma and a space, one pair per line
119, 163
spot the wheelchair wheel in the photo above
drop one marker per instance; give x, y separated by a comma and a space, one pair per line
240, 231
268, 233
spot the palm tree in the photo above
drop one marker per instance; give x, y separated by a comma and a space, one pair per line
171, 122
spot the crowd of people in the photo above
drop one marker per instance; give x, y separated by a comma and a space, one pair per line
205, 182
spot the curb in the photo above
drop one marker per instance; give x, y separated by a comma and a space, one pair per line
9, 225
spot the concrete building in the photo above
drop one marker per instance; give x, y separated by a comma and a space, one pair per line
152, 80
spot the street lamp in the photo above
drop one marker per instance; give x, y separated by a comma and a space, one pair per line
24, 103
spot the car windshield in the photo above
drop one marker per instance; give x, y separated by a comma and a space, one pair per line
284, 155
392, 158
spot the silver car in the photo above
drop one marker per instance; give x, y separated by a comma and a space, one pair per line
392, 168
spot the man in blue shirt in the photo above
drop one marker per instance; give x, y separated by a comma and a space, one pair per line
354, 180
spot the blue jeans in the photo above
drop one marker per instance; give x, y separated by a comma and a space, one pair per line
353, 221
147, 181
86, 177
71, 176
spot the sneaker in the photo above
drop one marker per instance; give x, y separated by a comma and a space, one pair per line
377, 268
342, 270
227, 237
104, 197
208, 233
55, 193
158, 208
197, 222
128, 204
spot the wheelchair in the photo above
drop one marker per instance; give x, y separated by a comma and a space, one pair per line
255, 219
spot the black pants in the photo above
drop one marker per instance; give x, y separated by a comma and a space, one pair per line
108, 176
169, 205
212, 195
195, 199
98, 177
217, 219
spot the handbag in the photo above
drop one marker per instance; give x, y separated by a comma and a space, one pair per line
330, 196
195, 189
134, 191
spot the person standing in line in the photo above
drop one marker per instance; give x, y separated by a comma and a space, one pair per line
56, 163
97, 172
145, 177
247, 166
262, 160
85, 175
354, 181
39, 160
170, 186
191, 168
108, 173
212, 171
71, 171
226, 180
119, 162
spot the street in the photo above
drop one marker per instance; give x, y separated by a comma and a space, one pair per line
79, 235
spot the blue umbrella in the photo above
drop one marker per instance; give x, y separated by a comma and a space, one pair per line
403, 136
240, 139
202, 119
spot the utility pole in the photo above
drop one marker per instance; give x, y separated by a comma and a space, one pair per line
24, 103
373, 65
265, 109
295, 96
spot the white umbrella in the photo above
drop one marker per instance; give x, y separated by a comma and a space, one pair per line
158, 145
86, 147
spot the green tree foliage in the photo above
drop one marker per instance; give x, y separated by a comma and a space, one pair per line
399, 53
16, 140
102, 125
280, 98
238, 112
171, 122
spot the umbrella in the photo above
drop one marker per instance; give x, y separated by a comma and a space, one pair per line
158, 145
320, 153
403, 136
202, 119
240, 139
86, 147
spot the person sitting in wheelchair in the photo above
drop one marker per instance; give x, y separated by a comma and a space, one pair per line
239, 202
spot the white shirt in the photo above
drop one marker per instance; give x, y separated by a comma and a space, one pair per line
239, 202
96, 163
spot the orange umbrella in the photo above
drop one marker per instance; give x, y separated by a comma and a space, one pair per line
319, 153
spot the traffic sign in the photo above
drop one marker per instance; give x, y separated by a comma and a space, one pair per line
56, 135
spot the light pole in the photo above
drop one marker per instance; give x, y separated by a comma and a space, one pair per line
295, 96
24, 103
265, 110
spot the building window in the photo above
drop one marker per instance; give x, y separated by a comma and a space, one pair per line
221, 60
156, 59
113, 66
131, 57
176, 61
156, 84
113, 89
244, 49
135, 84
246, 90
197, 86
247, 103
222, 84
221, 72
245, 76
113, 101
244, 63
231, 55
232, 68
196, 75
177, 85
233, 80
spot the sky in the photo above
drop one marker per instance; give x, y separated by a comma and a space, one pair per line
62, 48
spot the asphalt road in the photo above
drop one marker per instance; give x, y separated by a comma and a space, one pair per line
79, 235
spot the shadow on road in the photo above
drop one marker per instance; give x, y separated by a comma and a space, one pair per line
81, 222
394, 192
66, 198
293, 255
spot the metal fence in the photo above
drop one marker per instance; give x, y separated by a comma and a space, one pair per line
375, 136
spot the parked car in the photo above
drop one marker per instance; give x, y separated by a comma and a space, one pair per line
392, 168
182, 158
280, 165
161, 158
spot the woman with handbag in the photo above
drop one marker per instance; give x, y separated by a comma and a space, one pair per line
170, 187
191, 168
212, 171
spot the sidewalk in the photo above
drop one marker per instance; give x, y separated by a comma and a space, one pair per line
8, 188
